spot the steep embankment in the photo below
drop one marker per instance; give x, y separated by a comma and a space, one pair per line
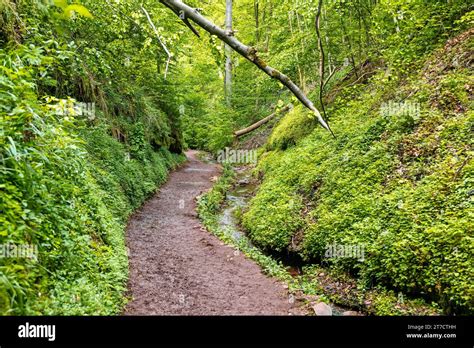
67, 187
397, 181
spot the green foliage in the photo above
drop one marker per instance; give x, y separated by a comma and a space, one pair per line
282, 220
210, 203
398, 184
70, 10
213, 132
294, 126
68, 182
411, 29
401, 184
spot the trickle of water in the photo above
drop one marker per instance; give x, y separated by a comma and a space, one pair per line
236, 199
227, 219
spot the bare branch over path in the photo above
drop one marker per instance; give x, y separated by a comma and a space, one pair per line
186, 12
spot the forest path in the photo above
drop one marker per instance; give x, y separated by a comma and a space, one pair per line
178, 268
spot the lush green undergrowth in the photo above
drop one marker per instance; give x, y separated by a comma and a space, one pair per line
397, 180
66, 189
87, 131
315, 282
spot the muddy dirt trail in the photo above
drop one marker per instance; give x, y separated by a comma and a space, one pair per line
178, 268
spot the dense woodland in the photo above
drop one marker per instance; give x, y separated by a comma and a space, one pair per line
392, 79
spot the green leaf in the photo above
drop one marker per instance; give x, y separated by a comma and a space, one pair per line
60, 3
81, 10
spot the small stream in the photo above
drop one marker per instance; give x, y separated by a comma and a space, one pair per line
227, 220
238, 198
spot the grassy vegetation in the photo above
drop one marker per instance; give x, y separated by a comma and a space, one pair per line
69, 181
397, 179
400, 184
315, 281
70, 196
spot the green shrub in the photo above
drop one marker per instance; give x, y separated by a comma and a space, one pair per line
293, 126
66, 190
275, 216
399, 185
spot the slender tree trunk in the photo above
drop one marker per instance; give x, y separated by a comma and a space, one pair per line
268, 31
321, 56
265, 27
300, 73
364, 12
346, 36
257, 34
328, 45
228, 53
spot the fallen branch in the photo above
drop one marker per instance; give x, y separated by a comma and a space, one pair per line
256, 125
186, 12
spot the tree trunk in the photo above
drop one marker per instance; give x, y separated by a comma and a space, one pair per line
321, 56
228, 54
297, 58
257, 36
344, 37
250, 53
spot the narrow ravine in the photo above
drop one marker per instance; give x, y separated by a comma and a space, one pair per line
178, 268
